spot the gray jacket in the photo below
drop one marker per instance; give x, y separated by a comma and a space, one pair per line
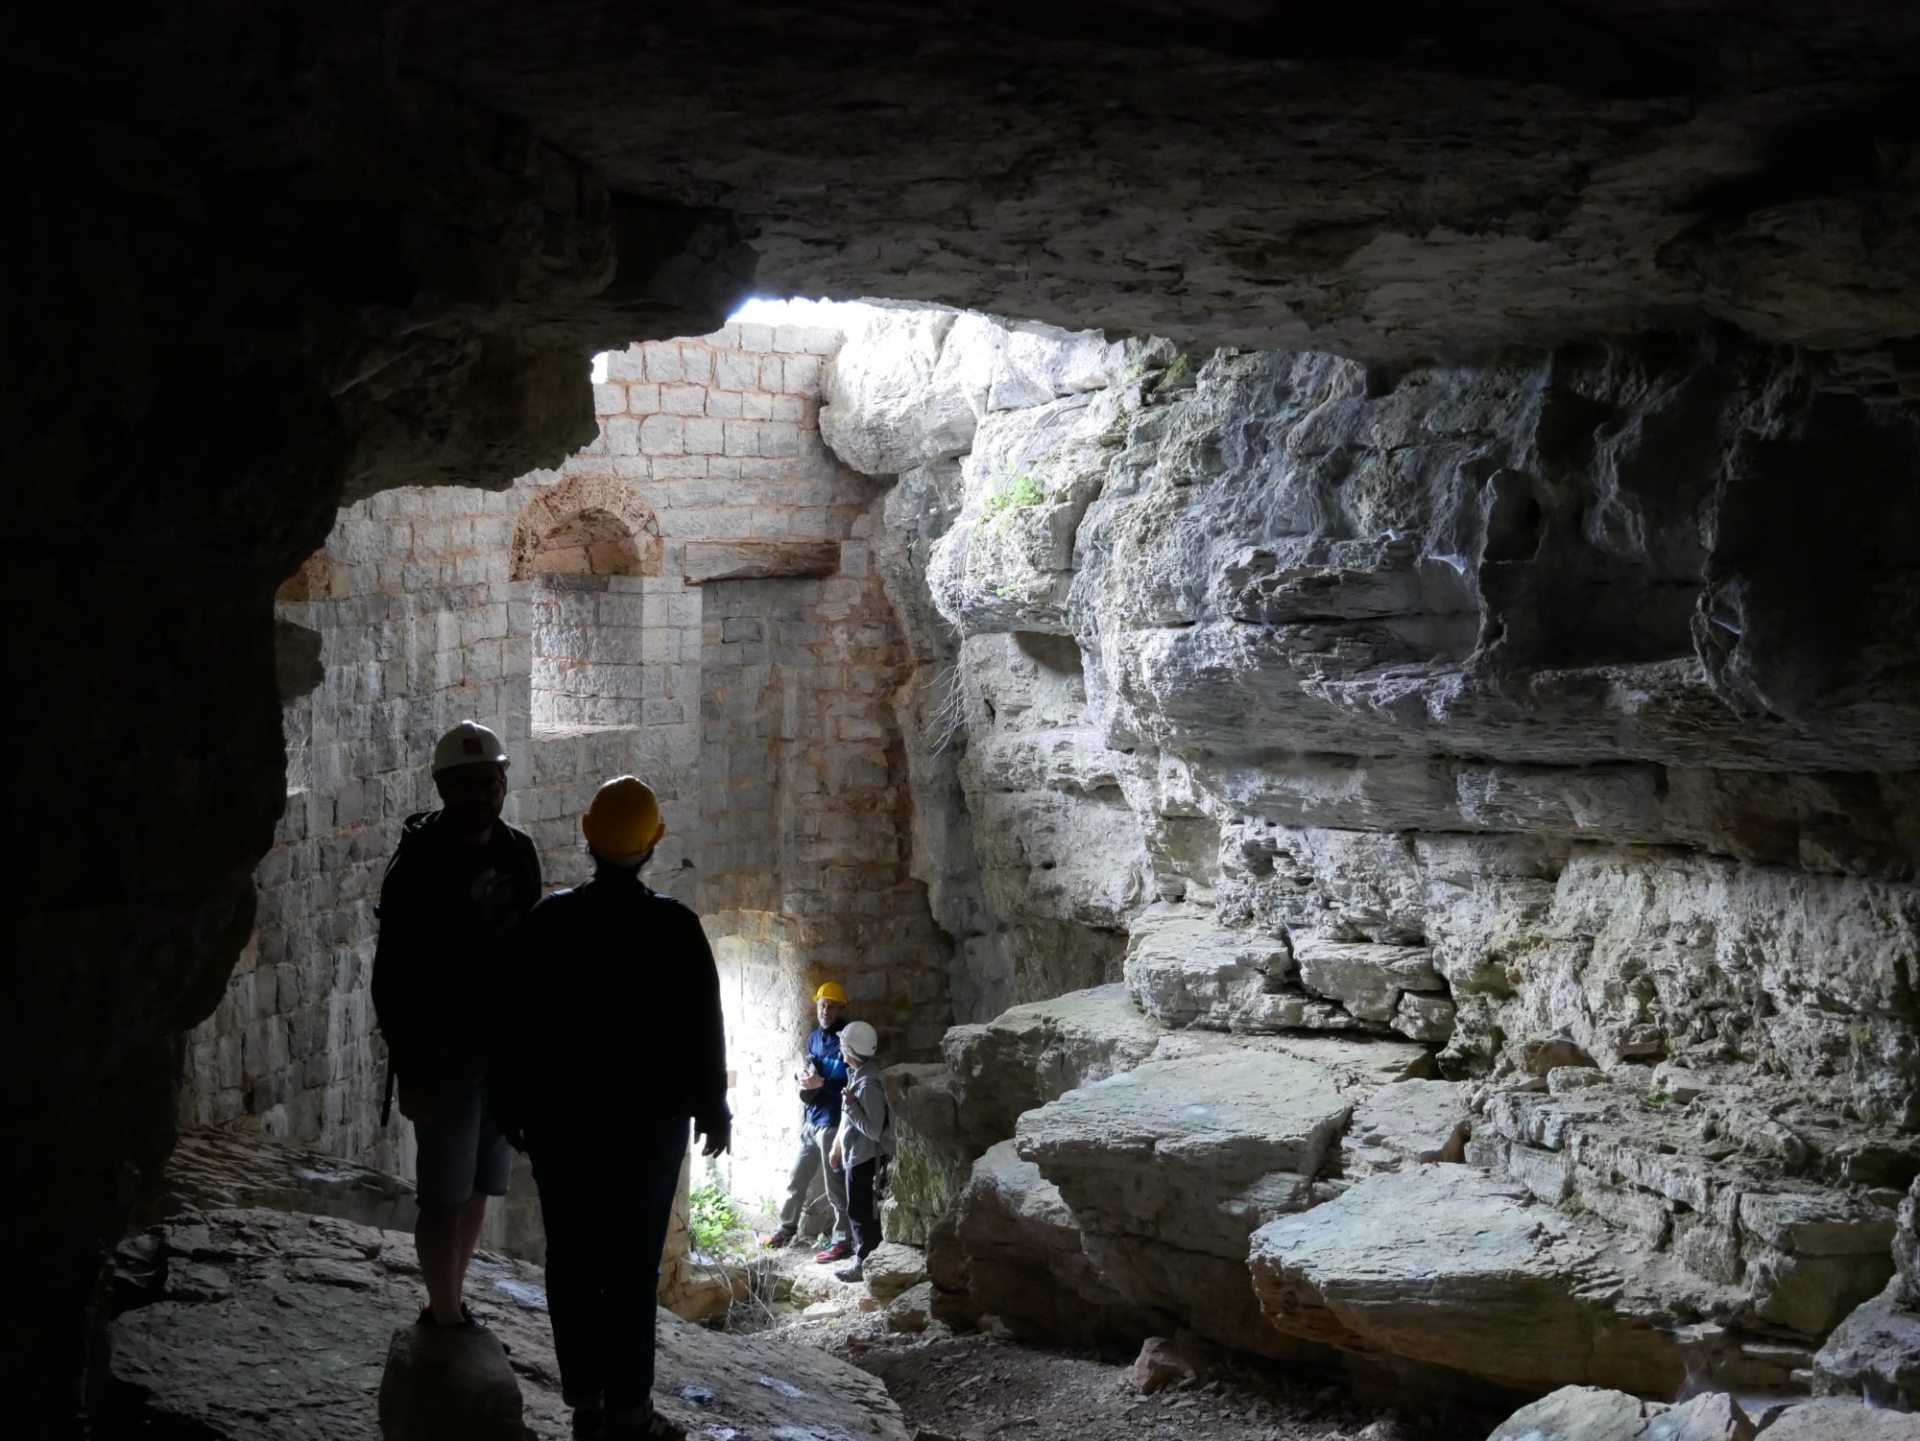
866, 1121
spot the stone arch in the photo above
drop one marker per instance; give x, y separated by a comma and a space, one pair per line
587, 525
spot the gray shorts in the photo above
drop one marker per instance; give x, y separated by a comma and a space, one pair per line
460, 1150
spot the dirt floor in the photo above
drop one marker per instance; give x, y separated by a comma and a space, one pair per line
975, 1388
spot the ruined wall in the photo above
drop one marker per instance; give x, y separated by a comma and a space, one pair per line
585, 614
410, 599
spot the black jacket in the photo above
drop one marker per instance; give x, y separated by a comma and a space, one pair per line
446, 911
616, 1005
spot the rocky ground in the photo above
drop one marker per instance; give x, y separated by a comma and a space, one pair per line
970, 1388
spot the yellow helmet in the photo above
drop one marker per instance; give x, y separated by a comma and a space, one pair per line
831, 991
623, 823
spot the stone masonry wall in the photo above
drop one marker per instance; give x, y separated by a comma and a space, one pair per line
687, 599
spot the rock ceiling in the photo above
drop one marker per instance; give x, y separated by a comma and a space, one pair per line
1391, 181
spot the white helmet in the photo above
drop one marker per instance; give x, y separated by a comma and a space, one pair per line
859, 1040
468, 743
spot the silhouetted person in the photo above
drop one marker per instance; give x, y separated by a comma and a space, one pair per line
617, 1045
822, 1076
460, 881
864, 1144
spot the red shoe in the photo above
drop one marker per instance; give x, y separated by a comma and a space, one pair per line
838, 1251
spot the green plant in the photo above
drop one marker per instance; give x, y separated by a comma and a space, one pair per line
1016, 492
714, 1220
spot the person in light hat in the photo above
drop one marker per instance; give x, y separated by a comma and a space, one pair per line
458, 884
617, 1044
864, 1145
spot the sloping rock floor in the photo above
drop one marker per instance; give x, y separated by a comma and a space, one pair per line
261, 1325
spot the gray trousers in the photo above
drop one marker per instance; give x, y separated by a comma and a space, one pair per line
808, 1161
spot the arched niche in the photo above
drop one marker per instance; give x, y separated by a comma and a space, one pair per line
583, 553
587, 525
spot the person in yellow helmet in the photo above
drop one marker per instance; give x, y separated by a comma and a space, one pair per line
617, 1044
821, 1077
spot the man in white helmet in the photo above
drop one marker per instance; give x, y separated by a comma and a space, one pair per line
461, 879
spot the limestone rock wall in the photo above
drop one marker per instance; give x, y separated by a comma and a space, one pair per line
1475, 704
1554, 718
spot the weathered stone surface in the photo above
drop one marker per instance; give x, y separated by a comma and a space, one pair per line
1579, 1413
289, 1347
440, 1384
891, 1268
1448, 1266
1194, 1153
1411, 1121
1874, 1354
912, 1309
1539, 222
706, 560
1906, 1246
1019, 1255
1184, 970
1838, 1419
1734, 1211
1715, 1416
1034, 1053
1590, 1413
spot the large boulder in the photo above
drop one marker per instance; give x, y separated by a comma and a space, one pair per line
1592, 1413
1019, 1256
1874, 1354
1835, 1418
254, 1325
908, 389
1030, 1054
1169, 1167
1449, 1266
1193, 1152
891, 1268
1578, 1413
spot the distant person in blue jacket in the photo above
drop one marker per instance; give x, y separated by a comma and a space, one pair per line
822, 1076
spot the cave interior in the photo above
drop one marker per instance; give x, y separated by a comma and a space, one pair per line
1319, 615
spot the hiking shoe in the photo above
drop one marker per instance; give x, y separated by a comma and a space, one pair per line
589, 1421
779, 1240
838, 1251
852, 1273
651, 1426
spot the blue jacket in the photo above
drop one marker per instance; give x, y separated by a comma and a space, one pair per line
823, 1105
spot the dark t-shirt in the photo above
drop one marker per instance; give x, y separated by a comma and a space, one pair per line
616, 1014
446, 908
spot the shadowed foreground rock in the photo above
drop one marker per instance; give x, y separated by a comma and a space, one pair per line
262, 1326
443, 1385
